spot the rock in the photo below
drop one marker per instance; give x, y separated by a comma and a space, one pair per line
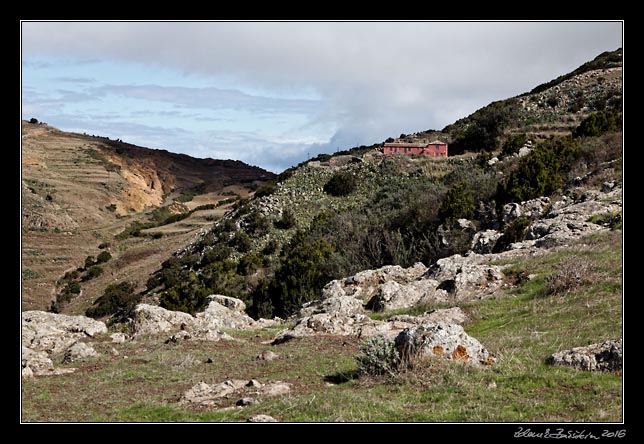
392, 295
444, 340
267, 356
534, 208
524, 151
208, 394
38, 362
27, 373
607, 187
607, 356
261, 418
465, 225
151, 320
228, 302
78, 351
465, 278
118, 338
54, 333
484, 241
217, 316
492, 161
335, 305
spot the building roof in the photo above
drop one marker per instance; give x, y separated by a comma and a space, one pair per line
437, 142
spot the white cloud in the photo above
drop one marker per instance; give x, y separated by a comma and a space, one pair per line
370, 80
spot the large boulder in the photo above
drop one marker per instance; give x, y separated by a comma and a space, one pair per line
54, 333
443, 340
220, 316
78, 351
466, 277
606, 356
151, 320
228, 302
484, 241
210, 394
335, 305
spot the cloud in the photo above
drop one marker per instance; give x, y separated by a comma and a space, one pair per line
368, 80
211, 98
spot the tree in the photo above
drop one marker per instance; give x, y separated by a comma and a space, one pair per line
458, 203
33, 120
341, 184
115, 298
599, 123
103, 256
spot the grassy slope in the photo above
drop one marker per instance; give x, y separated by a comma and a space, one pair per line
146, 379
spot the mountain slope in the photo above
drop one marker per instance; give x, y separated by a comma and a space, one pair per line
80, 191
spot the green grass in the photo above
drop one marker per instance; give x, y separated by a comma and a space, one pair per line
521, 329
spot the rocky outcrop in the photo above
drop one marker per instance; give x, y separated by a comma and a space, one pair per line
335, 305
222, 312
444, 340
211, 394
50, 335
362, 326
466, 277
483, 241
606, 356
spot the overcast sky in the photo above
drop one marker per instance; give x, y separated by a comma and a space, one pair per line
275, 93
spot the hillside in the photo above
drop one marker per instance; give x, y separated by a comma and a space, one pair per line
364, 287
79, 192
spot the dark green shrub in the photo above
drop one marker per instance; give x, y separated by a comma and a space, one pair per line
92, 272
266, 190
33, 120
242, 242
103, 245
188, 296
341, 184
153, 282
257, 224
458, 203
111, 207
513, 145
515, 232
103, 256
541, 173
599, 123
116, 298
287, 220
249, 263
89, 261
271, 247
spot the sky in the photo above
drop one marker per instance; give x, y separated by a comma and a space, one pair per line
273, 94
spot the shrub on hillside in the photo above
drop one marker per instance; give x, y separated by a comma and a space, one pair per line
514, 232
103, 256
116, 298
378, 356
541, 173
342, 183
257, 224
571, 273
599, 123
92, 272
287, 220
513, 145
458, 203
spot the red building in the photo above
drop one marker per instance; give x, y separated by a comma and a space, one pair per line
433, 149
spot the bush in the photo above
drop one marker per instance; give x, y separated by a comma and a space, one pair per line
599, 123
612, 220
116, 298
513, 145
378, 356
242, 242
541, 173
33, 120
104, 245
266, 190
92, 272
257, 224
341, 184
89, 261
103, 256
515, 232
458, 203
287, 221
571, 273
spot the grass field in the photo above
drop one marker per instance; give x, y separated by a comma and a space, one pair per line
145, 381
